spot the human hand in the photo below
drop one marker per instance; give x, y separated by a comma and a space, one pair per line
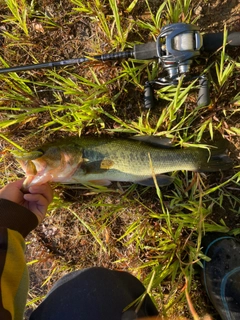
36, 200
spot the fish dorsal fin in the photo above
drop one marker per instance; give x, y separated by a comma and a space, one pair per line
162, 142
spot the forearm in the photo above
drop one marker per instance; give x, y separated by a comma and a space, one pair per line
15, 223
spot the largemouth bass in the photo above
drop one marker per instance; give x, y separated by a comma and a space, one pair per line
99, 161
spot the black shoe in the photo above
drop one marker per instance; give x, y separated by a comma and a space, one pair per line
221, 275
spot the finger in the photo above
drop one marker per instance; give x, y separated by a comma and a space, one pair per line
12, 191
37, 200
37, 204
17, 184
44, 190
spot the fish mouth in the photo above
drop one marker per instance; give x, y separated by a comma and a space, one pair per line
40, 171
29, 162
38, 179
34, 170
53, 165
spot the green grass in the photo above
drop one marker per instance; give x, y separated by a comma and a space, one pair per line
153, 233
18, 14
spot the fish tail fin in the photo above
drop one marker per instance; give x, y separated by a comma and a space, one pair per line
218, 159
219, 162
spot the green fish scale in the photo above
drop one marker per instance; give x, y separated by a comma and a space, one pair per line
135, 158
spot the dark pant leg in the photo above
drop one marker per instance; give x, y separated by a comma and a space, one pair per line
94, 294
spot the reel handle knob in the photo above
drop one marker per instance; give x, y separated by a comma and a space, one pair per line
203, 94
149, 99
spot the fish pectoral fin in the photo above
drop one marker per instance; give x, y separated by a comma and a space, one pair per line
97, 166
156, 141
162, 180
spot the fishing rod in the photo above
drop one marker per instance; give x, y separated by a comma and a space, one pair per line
176, 47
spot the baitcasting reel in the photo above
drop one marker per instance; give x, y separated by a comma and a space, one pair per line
177, 46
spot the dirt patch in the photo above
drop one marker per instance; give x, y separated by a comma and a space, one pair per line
215, 14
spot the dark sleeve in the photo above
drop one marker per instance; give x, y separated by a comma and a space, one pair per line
16, 217
15, 224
